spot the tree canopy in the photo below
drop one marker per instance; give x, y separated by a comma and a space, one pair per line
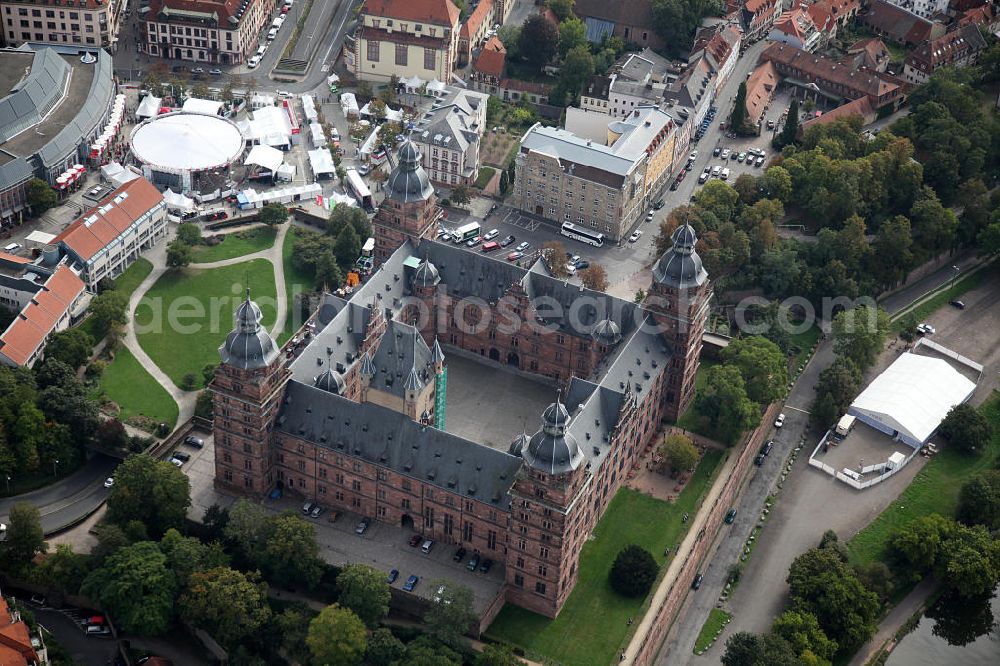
633, 571
25, 537
724, 402
966, 428
365, 591
679, 453
538, 41
229, 604
273, 214
136, 587
451, 614
762, 365
337, 636
151, 491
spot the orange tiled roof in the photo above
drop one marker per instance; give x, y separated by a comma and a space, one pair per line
15, 642
475, 20
13, 258
491, 58
760, 87
36, 321
86, 236
862, 106
440, 12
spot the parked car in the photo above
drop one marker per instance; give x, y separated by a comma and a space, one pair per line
926, 329
703, 177
109, 482
98, 630
717, 151
459, 555
410, 583
489, 246
253, 62
649, 216
196, 442
426, 546
780, 421
514, 256
730, 516
180, 455
659, 204
316, 511
307, 507
473, 563
473, 242
673, 185
415, 540
716, 170
758, 459
958, 304
741, 156
507, 241
362, 526
759, 161
635, 236
725, 154
696, 583
725, 174
491, 234
215, 71
198, 70
393, 575
522, 246
766, 448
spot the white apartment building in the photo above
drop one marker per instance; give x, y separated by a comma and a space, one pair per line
57, 22
213, 31
923, 8
449, 137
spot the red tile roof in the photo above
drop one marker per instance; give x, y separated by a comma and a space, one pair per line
439, 12
944, 50
40, 316
102, 224
475, 20
15, 642
897, 23
862, 106
754, 6
13, 258
761, 85
983, 15
823, 71
224, 9
492, 57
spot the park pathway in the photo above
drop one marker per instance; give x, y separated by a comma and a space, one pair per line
158, 257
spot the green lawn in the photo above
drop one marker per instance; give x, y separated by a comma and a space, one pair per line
593, 624
188, 313
717, 619
125, 283
485, 173
235, 245
296, 281
963, 285
805, 341
135, 391
692, 419
934, 490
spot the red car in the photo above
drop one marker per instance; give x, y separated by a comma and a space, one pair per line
415, 540
284, 10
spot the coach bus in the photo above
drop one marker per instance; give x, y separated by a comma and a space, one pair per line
582, 235
465, 232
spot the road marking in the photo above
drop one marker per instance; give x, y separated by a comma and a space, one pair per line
804, 411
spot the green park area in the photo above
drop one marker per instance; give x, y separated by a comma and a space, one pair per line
125, 284
188, 313
235, 245
126, 383
935, 489
296, 282
631, 518
692, 419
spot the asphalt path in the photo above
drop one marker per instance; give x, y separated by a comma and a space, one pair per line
70, 499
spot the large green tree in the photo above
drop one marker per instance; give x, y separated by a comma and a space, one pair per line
676, 20
72, 346
109, 311
189, 555
365, 591
790, 130
917, 545
451, 614
979, 500
859, 334
337, 636
802, 631
967, 428
738, 116
724, 401
679, 452
41, 197
248, 528
229, 604
538, 41
273, 214
384, 649
291, 554
572, 33
25, 537
151, 491
136, 587
494, 654
971, 564
763, 366
633, 571
347, 247
353, 216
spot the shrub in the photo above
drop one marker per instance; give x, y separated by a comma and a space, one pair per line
633, 572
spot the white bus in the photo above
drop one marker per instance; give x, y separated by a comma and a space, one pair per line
359, 189
465, 232
582, 235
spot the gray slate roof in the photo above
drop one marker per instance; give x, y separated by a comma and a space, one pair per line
389, 438
402, 360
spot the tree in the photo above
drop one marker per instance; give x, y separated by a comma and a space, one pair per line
451, 614
229, 604
966, 428
859, 334
248, 527
111, 435
633, 572
725, 403
64, 570
72, 346
988, 240
151, 491
494, 654
575, 71
292, 626
971, 562
461, 194
28, 434
364, 590
979, 500
538, 41
189, 233
273, 214
337, 636
802, 631
291, 554
178, 254
505, 186
892, 257
25, 537
679, 452
136, 587
384, 649
572, 34
917, 545
676, 20
594, 277
40, 196
347, 246
110, 539
743, 649
738, 116
187, 556
109, 311
790, 131
763, 366
342, 216
563, 9
328, 275
555, 258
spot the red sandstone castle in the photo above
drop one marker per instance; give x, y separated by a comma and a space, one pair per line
355, 421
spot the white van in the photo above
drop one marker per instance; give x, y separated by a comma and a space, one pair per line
261, 49
13, 247
253, 62
725, 174
426, 546
272, 33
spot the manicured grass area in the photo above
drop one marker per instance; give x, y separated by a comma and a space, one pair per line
296, 282
188, 313
485, 173
125, 283
135, 391
717, 619
692, 419
961, 286
934, 490
594, 622
805, 341
235, 245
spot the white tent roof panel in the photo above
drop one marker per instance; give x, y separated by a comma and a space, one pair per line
199, 105
265, 156
148, 107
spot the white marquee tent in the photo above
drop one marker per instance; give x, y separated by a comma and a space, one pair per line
148, 107
321, 162
177, 201
911, 397
265, 156
199, 105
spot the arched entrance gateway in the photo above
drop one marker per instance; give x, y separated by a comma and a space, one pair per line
406, 522
512, 359
494, 354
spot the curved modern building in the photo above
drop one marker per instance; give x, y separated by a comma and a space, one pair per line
55, 105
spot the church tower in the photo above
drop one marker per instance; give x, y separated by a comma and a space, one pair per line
679, 301
410, 206
247, 389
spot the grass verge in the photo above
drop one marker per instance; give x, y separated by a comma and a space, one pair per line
485, 173
632, 517
135, 391
717, 619
935, 489
296, 282
235, 245
188, 313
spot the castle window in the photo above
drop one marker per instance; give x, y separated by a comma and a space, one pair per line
227, 458
381, 512
228, 476
540, 588
247, 448
406, 504
322, 490
339, 495
302, 465
542, 570
469, 506
543, 552
467, 531
491, 540
247, 482
356, 485
519, 580
522, 544
520, 562
322, 472
540, 493
383, 475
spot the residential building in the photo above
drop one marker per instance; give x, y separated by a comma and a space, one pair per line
761, 86
831, 15
109, 237
631, 20
83, 23
601, 185
407, 38
487, 76
896, 25
833, 79
720, 45
757, 17
58, 300
54, 107
796, 28
479, 26
958, 48
861, 107
17, 646
984, 16
356, 418
449, 137
871, 53
923, 8
225, 32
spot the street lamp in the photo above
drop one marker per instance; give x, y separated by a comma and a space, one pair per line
954, 276
8, 485
54, 463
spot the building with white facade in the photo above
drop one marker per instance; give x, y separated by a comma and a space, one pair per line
449, 136
61, 22
226, 32
923, 8
406, 38
57, 299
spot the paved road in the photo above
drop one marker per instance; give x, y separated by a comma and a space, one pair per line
70, 499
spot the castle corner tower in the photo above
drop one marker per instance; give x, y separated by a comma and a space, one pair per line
410, 206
